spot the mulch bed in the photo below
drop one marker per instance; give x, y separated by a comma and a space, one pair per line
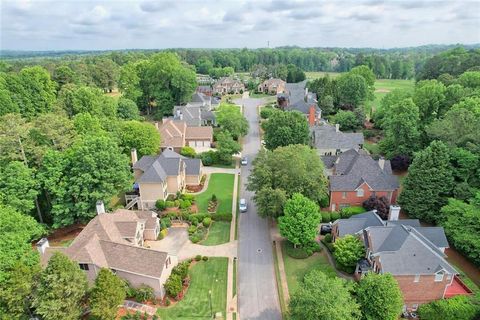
194, 188
66, 233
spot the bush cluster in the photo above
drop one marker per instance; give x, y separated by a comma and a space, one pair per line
144, 293
221, 217
173, 285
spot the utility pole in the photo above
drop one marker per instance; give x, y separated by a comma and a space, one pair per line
268, 43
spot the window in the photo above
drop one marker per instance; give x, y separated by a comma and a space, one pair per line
417, 278
374, 194
360, 193
83, 266
414, 307
438, 277
344, 195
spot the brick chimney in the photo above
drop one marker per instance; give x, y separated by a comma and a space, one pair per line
42, 245
393, 213
133, 154
311, 116
337, 128
100, 207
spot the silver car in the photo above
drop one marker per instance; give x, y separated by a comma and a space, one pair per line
244, 161
243, 205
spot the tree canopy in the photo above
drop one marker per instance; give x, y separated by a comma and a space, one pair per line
285, 128
107, 294
230, 118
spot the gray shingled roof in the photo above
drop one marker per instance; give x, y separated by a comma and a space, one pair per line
296, 97
358, 222
325, 136
168, 163
353, 169
404, 251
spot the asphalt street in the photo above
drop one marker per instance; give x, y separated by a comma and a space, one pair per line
258, 295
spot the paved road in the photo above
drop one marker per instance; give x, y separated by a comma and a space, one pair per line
258, 295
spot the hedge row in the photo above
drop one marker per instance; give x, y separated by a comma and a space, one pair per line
345, 213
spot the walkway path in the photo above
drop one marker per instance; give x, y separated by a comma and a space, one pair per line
132, 305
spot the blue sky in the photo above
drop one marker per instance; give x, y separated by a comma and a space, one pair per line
92, 25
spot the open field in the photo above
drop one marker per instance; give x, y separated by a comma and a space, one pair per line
220, 184
205, 276
311, 75
384, 86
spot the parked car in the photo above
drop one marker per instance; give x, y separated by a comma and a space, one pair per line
243, 205
325, 229
244, 161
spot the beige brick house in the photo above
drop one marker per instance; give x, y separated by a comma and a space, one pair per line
176, 134
272, 86
156, 177
115, 241
228, 85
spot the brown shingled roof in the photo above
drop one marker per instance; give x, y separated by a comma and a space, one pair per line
199, 133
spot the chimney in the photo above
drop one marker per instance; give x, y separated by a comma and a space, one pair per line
100, 207
337, 128
156, 125
181, 116
393, 213
42, 245
381, 163
311, 116
134, 157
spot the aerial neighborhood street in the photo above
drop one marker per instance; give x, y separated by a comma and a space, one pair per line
239, 160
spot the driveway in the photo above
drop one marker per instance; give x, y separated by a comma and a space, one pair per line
258, 295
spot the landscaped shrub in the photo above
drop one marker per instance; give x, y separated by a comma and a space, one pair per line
181, 269
160, 205
199, 234
367, 133
209, 158
189, 197
199, 216
170, 204
129, 290
171, 215
144, 293
170, 197
213, 198
165, 222
192, 229
177, 203
458, 308
326, 217
162, 234
334, 215
328, 238
222, 217
185, 204
347, 251
381, 204
188, 152
205, 258
350, 211
198, 257
173, 285
194, 220
207, 221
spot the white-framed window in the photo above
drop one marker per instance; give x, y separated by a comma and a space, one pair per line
360, 192
414, 307
344, 195
417, 278
438, 277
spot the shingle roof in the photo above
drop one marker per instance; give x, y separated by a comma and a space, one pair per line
325, 136
297, 99
358, 222
103, 243
173, 133
199, 133
352, 169
168, 163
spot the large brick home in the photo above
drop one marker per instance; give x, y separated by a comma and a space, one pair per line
227, 85
272, 86
176, 134
413, 254
115, 241
156, 177
356, 176
330, 141
297, 98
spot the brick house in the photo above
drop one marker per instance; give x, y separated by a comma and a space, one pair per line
228, 85
297, 98
413, 254
198, 112
115, 241
356, 176
272, 86
330, 141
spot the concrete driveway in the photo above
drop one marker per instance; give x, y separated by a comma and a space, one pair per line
173, 242
258, 295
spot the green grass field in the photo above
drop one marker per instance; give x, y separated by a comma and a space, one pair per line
311, 75
296, 269
204, 276
220, 184
384, 86
219, 233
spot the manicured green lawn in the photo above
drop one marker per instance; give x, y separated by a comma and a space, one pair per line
219, 233
220, 184
259, 95
373, 148
234, 285
296, 269
204, 276
311, 75
383, 86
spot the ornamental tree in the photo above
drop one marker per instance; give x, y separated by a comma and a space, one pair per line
379, 297
347, 251
300, 221
106, 295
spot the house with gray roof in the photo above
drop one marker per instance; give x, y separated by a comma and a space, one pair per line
198, 112
413, 254
297, 98
356, 176
330, 141
116, 241
156, 177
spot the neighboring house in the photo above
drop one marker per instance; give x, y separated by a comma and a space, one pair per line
176, 135
272, 86
156, 177
115, 241
413, 254
329, 140
206, 90
227, 85
198, 112
356, 176
204, 79
297, 97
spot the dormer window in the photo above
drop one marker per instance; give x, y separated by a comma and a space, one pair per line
439, 277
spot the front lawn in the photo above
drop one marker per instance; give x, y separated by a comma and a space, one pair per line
204, 276
220, 184
218, 233
296, 269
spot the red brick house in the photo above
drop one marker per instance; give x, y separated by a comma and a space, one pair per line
356, 176
413, 254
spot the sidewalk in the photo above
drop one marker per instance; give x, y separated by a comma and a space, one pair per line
231, 299
274, 233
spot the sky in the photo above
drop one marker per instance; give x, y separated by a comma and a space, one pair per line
104, 25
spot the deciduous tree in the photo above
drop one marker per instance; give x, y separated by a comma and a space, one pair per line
285, 128
231, 119
270, 202
18, 187
347, 251
142, 136
107, 294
